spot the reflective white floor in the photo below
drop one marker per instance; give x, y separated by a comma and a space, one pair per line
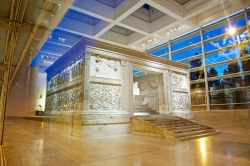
33, 143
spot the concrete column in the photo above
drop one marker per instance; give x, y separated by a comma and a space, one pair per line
162, 102
167, 93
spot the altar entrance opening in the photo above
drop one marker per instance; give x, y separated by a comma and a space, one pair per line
148, 91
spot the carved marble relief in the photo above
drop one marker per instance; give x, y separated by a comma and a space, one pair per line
105, 97
67, 100
105, 80
179, 80
180, 101
64, 93
104, 85
101, 67
101, 87
180, 91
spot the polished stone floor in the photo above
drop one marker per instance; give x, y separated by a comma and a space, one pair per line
34, 143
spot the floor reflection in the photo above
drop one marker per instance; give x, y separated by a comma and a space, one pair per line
33, 143
38, 145
203, 149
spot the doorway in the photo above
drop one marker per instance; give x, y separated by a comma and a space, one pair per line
148, 91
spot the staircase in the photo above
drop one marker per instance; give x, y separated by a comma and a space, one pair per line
169, 127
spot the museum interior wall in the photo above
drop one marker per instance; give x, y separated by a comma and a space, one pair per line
90, 77
22, 96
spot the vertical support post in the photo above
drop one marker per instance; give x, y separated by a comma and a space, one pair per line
5, 91
130, 80
247, 24
205, 71
169, 50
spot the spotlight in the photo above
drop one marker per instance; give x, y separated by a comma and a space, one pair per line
231, 30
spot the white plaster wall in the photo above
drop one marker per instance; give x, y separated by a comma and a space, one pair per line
21, 98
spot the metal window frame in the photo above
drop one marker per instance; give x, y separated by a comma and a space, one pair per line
201, 31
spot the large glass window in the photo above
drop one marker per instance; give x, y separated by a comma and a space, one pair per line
186, 53
227, 60
185, 41
194, 62
198, 96
160, 51
221, 56
186, 46
221, 27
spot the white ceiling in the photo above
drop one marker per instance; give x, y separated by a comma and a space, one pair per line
132, 24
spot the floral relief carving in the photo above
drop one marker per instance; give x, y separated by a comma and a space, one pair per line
178, 80
105, 97
180, 101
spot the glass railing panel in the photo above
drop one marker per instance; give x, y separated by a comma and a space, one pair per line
197, 88
198, 98
230, 99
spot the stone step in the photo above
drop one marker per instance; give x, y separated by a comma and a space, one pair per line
162, 120
187, 126
179, 127
172, 124
174, 127
193, 133
196, 128
155, 117
172, 121
184, 125
197, 136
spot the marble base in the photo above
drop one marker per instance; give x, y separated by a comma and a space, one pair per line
85, 125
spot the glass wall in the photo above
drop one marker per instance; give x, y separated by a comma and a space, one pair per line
219, 58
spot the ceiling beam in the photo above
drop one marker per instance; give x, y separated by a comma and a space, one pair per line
90, 13
202, 8
51, 53
236, 4
90, 36
168, 9
59, 44
95, 9
132, 6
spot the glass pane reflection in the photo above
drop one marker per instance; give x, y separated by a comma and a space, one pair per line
234, 98
186, 53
